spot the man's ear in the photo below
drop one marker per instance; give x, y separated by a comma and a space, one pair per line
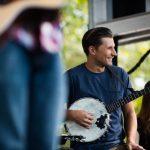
92, 50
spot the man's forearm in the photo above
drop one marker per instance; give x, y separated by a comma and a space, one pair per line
131, 127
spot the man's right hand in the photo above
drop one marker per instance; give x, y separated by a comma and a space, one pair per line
81, 117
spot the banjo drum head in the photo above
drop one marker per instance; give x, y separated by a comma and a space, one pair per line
95, 107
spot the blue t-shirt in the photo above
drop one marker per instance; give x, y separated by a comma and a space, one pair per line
105, 87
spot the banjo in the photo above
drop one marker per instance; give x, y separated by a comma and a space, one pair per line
101, 113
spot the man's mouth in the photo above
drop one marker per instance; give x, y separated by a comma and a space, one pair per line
109, 58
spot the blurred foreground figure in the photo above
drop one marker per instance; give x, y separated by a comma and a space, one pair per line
31, 83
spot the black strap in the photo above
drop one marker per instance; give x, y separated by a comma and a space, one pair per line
117, 77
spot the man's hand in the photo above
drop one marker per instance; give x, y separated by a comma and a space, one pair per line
81, 117
134, 146
131, 126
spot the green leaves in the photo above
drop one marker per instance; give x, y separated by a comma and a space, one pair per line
75, 20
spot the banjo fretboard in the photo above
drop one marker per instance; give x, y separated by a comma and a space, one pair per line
116, 104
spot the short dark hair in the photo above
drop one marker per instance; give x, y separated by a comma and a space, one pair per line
93, 37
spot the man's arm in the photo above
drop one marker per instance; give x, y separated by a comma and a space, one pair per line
130, 121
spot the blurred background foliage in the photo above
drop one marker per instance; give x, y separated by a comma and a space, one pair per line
75, 24
128, 56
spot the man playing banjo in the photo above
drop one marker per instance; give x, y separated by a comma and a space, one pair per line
96, 79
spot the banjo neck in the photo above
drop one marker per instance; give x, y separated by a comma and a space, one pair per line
136, 94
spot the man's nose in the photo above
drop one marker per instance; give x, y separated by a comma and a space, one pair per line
114, 53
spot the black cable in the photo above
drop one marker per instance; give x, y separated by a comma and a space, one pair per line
139, 62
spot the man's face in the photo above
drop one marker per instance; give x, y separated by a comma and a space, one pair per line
105, 52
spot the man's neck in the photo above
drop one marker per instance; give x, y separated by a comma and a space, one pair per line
94, 68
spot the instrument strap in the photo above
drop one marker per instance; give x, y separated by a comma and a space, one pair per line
117, 77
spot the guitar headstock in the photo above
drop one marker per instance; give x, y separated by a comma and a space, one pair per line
147, 84
147, 87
